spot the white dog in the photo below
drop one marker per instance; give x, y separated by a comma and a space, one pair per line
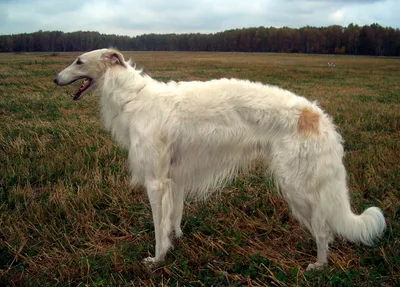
187, 139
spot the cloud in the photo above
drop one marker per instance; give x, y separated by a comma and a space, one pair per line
337, 16
136, 17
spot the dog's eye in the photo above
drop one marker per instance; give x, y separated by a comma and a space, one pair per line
79, 62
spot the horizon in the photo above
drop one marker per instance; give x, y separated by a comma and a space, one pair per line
210, 33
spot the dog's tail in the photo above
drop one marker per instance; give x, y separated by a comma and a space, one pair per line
362, 228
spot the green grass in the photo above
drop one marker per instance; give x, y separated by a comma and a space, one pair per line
69, 217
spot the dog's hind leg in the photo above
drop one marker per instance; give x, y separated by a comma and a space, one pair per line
320, 231
313, 218
301, 212
323, 236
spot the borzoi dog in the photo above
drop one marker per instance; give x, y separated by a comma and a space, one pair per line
188, 139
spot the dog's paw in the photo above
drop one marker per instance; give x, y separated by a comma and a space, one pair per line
178, 233
151, 262
316, 266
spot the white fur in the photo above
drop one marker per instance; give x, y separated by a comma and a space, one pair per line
188, 139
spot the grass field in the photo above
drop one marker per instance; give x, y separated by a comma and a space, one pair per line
68, 216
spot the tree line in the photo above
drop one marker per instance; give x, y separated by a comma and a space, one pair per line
353, 40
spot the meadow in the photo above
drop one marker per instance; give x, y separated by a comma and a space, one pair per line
68, 216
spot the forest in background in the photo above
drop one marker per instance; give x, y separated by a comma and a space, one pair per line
352, 40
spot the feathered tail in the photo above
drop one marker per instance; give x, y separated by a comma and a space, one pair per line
362, 228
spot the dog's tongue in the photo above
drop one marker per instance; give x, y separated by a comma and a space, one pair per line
83, 86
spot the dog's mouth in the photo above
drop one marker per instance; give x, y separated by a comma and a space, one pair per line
83, 88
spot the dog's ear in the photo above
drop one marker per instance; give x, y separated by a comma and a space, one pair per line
115, 58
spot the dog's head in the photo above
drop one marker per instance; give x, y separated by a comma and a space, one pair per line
90, 67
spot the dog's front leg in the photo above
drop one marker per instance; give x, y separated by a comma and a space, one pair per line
178, 210
155, 203
161, 200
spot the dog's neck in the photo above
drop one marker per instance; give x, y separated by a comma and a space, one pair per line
120, 88
121, 85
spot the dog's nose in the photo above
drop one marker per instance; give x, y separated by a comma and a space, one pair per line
55, 81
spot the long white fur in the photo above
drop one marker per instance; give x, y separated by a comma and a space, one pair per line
188, 139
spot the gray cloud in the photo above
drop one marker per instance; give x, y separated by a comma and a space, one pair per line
126, 17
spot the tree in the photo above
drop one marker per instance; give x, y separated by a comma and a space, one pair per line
367, 40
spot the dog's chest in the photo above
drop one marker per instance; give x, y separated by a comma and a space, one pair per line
116, 123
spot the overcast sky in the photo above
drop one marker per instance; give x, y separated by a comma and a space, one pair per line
137, 17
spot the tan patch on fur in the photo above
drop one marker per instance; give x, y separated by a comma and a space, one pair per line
308, 122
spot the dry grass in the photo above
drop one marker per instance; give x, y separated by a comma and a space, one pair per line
69, 217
